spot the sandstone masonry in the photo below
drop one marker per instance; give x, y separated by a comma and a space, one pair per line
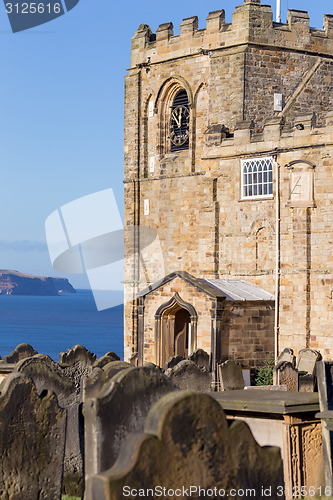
195, 199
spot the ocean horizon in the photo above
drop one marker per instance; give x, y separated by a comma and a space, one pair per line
54, 324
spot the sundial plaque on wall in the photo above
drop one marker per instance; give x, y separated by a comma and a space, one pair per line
301, 184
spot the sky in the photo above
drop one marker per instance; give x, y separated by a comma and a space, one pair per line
61, 113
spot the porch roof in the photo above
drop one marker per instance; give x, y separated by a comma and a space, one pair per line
240, 290
197, 283
235, 290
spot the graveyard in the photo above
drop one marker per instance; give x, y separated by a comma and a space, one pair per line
103, 429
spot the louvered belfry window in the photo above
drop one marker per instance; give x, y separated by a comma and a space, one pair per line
179, 122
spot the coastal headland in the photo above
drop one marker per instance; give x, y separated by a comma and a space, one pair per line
16, 283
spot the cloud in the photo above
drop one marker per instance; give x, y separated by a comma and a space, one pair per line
23, 246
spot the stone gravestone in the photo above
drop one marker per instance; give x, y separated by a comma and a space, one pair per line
306, 383
307, 359
93, 384
32, 441
104, 360
99, 376
188, 376
77, 363
173, 361
48, 375
287, 375
286, 355
324, 371
22, 351
187, 443
201, 358
231, 376
120, 408
77, 356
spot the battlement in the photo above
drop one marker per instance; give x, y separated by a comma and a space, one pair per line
252, 23
275, 134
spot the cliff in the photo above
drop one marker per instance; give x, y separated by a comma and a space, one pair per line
16, 283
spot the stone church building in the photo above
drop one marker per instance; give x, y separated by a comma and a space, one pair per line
229, 188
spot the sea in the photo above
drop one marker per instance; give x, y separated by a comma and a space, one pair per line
54, 324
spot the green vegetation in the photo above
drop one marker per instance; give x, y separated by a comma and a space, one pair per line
65, 497
265, 374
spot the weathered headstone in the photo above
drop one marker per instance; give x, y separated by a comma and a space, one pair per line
49, 376
120, 408
286, 355
200, 357
111, 369
77, 363
188, 376
99, 376
287, 375
20, 352
32, 441
150, 365
307, 359
188, 443
93, 384
77, 354
173, 361
231, 376
324, 372
306, 383
112, 355
104, 360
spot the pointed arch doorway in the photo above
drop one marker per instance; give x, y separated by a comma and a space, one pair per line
175, 330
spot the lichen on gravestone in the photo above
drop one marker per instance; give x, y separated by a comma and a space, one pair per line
32, 441
187, 441
188, 376
120, 407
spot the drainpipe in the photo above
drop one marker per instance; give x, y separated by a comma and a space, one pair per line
277, 260
189, 340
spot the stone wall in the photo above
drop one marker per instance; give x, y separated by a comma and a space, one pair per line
248, 333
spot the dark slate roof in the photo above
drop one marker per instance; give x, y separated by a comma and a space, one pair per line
215, 288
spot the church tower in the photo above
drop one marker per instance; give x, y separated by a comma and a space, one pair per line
229, 188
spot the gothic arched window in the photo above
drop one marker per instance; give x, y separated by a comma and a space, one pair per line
180, 122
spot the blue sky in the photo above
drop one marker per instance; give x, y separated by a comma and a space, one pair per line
61, 112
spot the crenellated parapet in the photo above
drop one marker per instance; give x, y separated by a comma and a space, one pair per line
276, 135
252, 23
